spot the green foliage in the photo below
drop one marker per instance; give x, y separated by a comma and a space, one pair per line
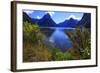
63, 56
68, 56
59, 55
81, 42
34, 49
31, 33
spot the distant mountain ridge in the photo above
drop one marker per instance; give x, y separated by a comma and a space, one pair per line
69, 23
29, 19
86, 20
47, 21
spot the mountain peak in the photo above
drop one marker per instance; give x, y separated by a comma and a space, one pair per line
86, 20
71, 18
47, 16
46, 21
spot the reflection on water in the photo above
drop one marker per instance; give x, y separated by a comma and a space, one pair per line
57, 37
60, 39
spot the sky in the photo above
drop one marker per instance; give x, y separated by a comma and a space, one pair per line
57, 16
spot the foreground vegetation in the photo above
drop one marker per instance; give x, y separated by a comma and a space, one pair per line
35, 50
81, 40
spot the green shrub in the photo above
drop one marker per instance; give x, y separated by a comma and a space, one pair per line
81, 40
33, 47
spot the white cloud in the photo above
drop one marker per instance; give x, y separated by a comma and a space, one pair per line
51, 13
38, 17
74, 17
29, 12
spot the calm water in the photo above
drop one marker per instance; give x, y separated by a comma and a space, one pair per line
60, 38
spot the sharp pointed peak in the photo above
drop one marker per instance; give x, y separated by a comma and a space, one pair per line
71, 18
47, 14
